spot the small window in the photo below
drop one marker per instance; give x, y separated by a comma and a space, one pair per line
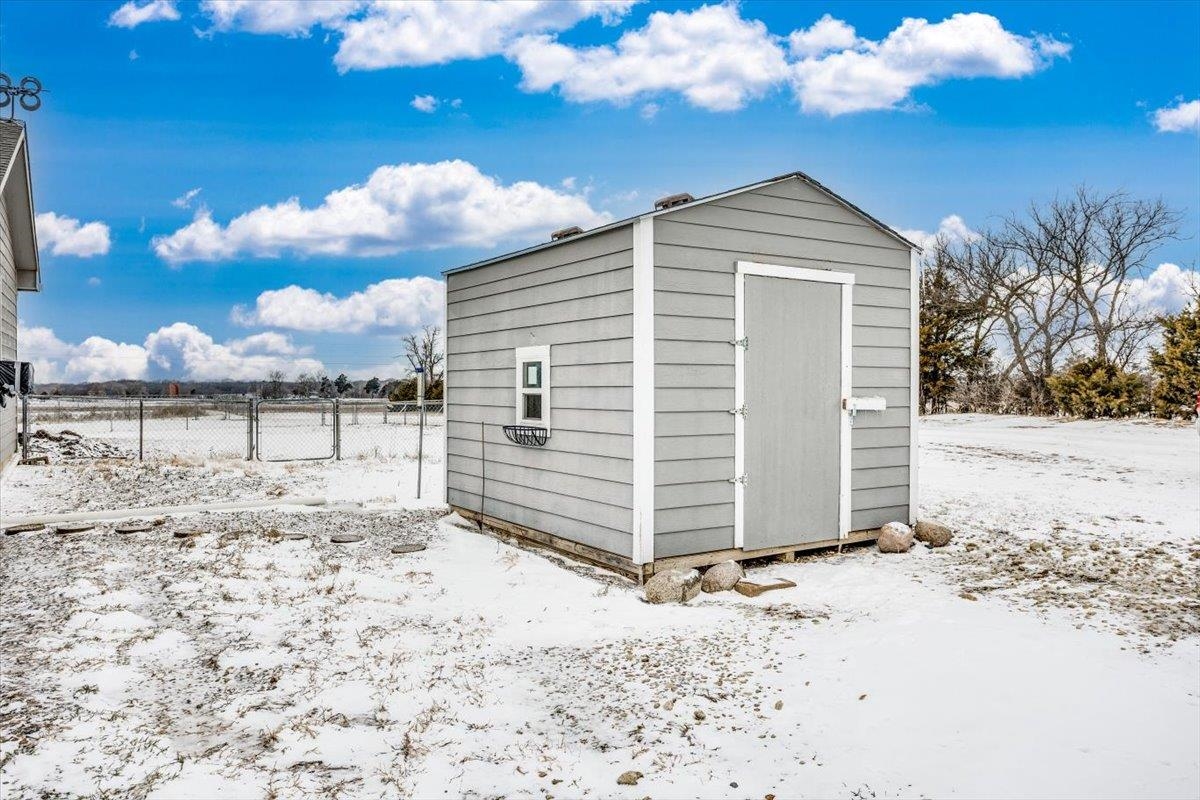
533, 386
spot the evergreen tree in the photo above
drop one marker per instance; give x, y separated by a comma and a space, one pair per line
949, 351
371, 387
1096, 387
1176, 366
341, 383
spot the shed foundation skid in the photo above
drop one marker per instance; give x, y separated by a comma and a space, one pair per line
625, 566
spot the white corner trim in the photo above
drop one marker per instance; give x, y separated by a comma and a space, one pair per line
846, 280
446, 393
794, 273
844, 498
643, 391
914, 386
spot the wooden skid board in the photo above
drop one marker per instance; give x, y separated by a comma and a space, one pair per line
581, 552
625, 566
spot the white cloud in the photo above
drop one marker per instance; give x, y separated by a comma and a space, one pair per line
425, 103
403, 33
397, 304
1167, 289
881, 75
180, 350
1179, 118
93, 281
185, 199
712, 56
132, 14
66, 236
291, 18
93, 359
951, 228
650, 111
399, 208
133, 55
826, 35
183, 349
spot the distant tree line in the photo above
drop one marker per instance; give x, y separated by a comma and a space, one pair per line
422, 349
1038, 315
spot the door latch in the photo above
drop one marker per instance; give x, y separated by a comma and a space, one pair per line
743, 343
739, 410
743, 479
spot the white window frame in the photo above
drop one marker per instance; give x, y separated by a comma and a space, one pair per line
846, 279
539, 353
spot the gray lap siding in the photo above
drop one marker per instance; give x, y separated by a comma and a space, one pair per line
576, 297
695, 251
8, 332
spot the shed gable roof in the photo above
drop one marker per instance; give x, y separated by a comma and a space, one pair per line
800, 176
17, 190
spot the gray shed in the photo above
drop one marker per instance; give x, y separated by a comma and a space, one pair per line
728, 377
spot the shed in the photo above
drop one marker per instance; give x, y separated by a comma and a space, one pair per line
19, 268
719, 378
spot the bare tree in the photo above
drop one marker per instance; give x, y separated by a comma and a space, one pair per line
424, 350
1100, 243
273, 389
306, 382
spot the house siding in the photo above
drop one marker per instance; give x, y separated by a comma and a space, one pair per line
576, 297
695, 251
8, 331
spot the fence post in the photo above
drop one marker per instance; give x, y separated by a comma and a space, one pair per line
141, 429
250, 429
337, 429
25, 427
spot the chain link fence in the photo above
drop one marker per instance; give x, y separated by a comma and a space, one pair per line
238, 427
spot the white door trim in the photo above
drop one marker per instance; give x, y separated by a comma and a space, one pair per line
846, 279
643, 391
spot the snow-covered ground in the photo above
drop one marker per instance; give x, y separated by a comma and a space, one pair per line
1052, 650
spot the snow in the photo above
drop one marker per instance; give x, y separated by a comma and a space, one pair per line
237, 664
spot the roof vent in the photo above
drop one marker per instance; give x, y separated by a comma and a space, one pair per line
566, 233
672, 200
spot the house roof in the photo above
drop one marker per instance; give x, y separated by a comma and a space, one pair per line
699, 201
17, 190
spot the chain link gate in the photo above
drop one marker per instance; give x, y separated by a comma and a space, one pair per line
296, 430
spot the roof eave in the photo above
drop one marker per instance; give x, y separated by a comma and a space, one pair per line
700, 201
17, 188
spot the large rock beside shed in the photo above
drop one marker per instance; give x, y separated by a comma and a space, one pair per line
934, 534
895, 537
673, 586
722, 577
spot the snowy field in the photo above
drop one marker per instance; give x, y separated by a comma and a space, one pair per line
1052, 650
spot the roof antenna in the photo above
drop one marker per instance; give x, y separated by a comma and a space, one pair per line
27, 93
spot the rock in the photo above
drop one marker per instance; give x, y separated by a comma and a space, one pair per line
345, 538
721, 577
134, 527
895, 537
74, 527
629, 778
934, 534
673, 586
30, 528
407, 547
698, 715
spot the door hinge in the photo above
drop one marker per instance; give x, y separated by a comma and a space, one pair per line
743, 479
739, 410
743, 343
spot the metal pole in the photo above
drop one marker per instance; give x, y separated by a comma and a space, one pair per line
337, 429
420, 426
250, 429
25, 427
141, 429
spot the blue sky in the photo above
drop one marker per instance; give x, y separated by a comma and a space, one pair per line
254, 104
